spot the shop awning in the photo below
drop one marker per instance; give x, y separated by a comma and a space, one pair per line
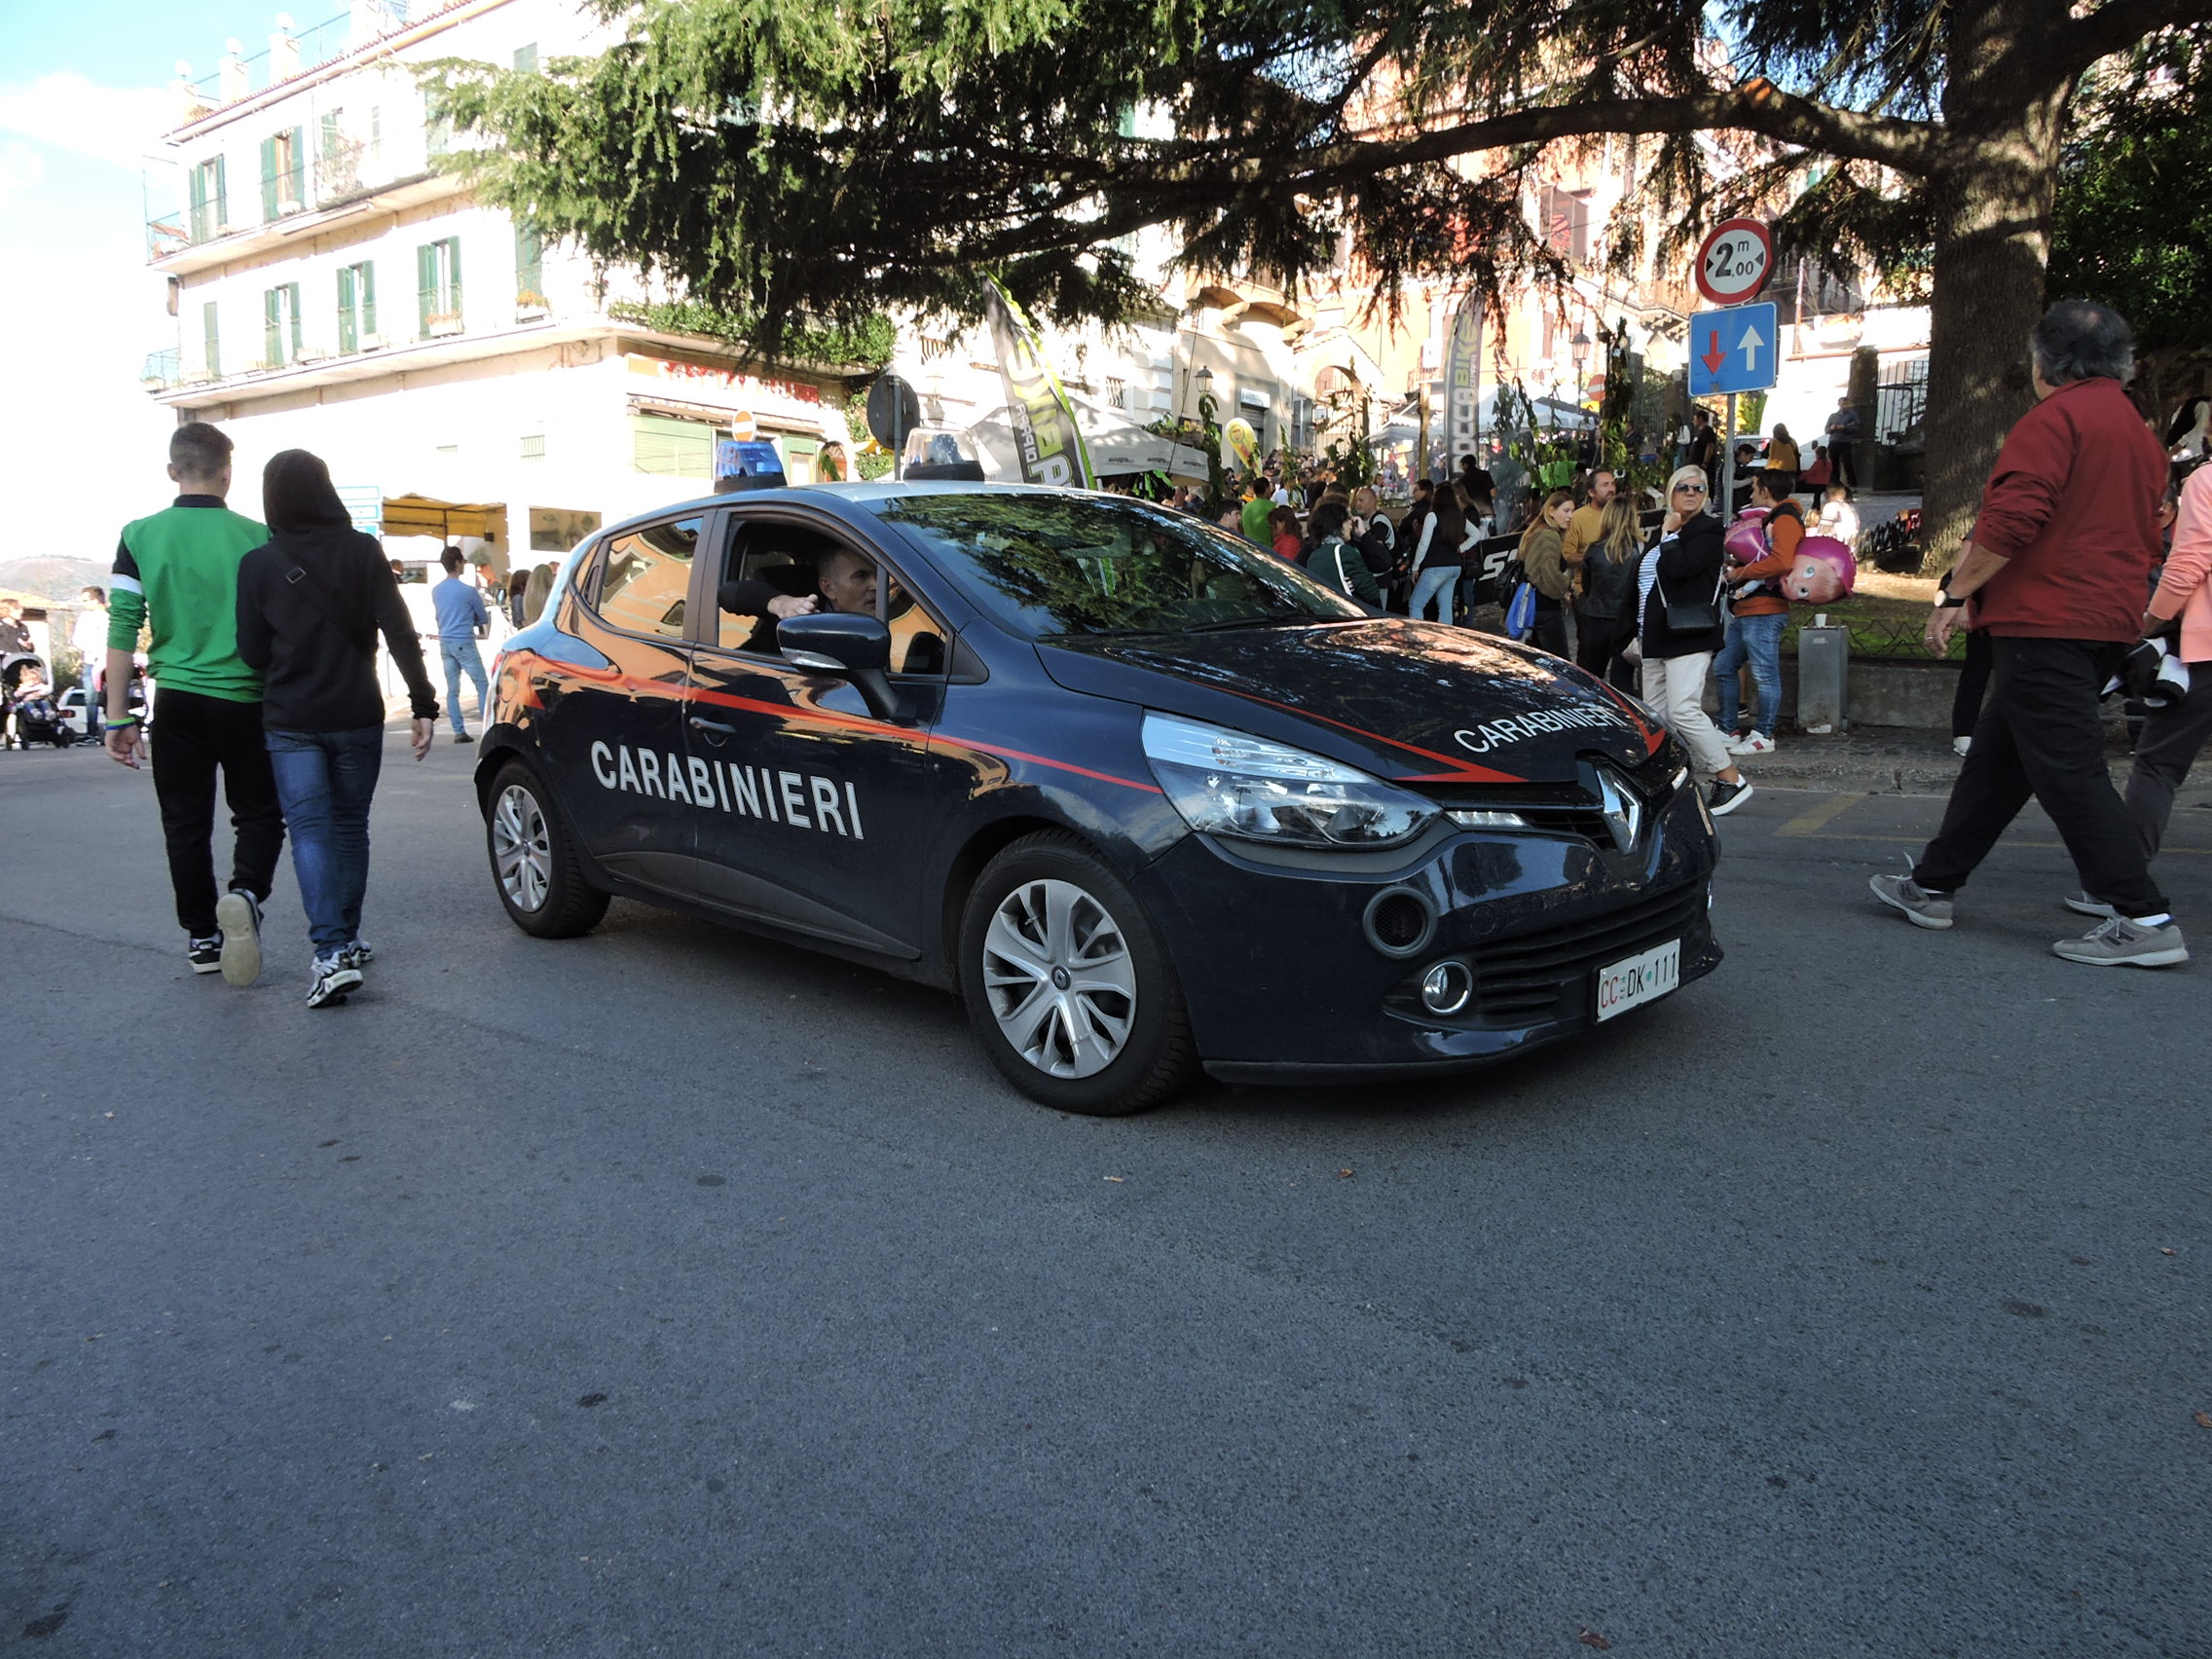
425, 515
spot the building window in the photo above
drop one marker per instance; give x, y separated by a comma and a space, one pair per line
212, 339
280, 325
672, 447
534, 447
1116, 394
210, 203
1566, 224
529, 269
438, 287
357, 305
526, 59
283, 174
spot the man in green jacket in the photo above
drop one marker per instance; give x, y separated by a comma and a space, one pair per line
179, 571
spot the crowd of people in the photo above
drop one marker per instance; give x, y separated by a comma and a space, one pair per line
264, 645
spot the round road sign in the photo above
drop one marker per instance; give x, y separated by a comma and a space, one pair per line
893, 411
1734, 262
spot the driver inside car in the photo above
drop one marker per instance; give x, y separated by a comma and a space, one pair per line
845, 580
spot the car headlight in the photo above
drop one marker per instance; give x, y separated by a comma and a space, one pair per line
1229, 783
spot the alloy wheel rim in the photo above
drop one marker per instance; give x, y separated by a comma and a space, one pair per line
1059, 978
522, 854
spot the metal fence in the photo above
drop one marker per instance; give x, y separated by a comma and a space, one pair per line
1900, 403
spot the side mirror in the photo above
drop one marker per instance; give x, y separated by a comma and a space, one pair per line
856, 649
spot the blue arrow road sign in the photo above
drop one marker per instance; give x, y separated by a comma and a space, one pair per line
1732, 350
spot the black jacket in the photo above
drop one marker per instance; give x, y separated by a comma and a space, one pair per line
311, 600
1689, 570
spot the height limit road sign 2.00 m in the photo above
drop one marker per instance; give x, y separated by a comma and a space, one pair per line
1734, 261
1732, 350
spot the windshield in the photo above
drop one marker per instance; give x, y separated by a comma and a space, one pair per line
1047, 564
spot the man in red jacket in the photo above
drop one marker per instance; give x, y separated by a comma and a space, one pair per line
2059, 570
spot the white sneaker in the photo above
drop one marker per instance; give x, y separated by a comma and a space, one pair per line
1959, 744
1759, 743
238, 918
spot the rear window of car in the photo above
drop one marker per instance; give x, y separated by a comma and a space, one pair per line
1046, 564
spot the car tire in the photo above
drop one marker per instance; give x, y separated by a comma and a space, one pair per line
1068, 985
535, 868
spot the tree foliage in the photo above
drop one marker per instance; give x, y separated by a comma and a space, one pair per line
2130, 227
842, 157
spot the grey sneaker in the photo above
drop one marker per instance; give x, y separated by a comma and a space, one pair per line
333, 980
359, 954
241, 920
2081, 904
1921, 907
2123, 943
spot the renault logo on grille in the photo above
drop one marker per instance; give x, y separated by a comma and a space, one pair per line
1622, 807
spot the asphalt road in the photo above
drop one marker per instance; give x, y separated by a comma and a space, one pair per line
673, 1292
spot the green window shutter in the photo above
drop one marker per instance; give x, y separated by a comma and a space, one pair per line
271, 328
267, 179
526, 59
211, 335
222, 195
427, 284
202, 224
296, 174
348, 311
292, 306
530, 262
453, 275
672, 447
368, 271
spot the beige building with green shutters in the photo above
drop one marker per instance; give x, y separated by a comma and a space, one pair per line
330, 288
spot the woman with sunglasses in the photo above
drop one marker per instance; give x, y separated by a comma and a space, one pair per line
1679, 604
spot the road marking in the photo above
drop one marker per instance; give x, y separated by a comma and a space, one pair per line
1814, 819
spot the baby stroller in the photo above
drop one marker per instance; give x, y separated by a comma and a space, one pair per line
26, 695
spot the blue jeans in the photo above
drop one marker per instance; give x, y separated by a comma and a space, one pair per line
460, 658
324, 780
1756, 640
1434, 585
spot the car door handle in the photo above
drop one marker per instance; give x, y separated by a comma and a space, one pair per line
700, 723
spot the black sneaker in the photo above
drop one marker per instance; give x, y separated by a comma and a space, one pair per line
204, 954
333, 980
241, 918
1724, 797
460, 737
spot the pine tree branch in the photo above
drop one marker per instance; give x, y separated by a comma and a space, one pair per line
2119, 24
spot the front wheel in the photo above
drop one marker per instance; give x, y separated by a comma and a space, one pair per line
533, 863
1067, 984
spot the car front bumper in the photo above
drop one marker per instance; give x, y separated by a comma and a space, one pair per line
1285, 979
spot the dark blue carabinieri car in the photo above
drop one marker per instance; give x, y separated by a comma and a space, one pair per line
1149, 799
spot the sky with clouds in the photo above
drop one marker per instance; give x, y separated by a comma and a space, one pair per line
84, 93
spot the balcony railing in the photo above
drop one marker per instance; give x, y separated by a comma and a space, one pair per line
163, 370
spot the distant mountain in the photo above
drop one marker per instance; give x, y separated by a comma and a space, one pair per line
52, 575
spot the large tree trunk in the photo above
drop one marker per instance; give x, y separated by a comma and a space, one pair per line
1992, 198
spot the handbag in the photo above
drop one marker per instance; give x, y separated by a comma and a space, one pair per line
1693, 615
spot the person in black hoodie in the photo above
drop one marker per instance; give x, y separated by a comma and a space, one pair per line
311, 599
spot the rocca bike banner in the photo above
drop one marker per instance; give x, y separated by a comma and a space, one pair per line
1044, 421
1462, 381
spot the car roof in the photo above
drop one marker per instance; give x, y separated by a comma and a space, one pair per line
881, 489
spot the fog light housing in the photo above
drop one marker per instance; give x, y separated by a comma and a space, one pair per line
1447, 987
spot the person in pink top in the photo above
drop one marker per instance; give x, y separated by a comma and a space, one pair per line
2174, 735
